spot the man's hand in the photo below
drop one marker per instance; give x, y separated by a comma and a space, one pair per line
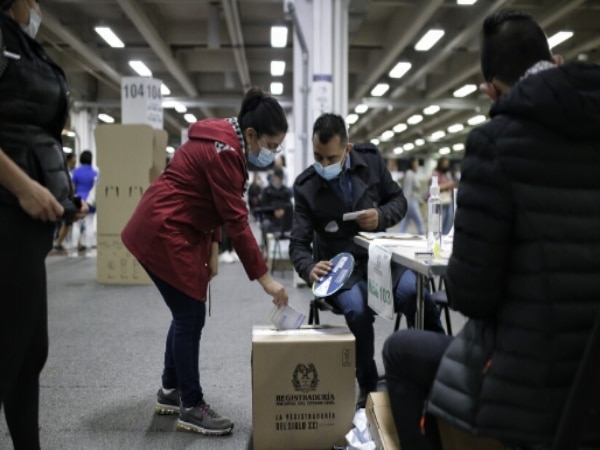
82, 211
39, 203
320, 269
368, 220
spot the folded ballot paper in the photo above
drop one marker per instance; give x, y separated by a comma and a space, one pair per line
286, 317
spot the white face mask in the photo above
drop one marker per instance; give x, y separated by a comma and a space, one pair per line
34, 23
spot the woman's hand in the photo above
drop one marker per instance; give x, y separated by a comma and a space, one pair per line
213, 264
39, 203
273, 288
319, 270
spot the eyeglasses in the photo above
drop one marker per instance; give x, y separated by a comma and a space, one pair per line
275, 148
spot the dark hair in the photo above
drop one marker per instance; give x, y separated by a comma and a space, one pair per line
329, 125
263, 113
512, 42
85, 157
70, 156
438, 167
5, 4
411, 161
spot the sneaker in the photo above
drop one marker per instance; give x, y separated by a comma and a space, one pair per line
167, 403
226, 258
204, 420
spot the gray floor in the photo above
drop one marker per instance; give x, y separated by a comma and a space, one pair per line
106, 345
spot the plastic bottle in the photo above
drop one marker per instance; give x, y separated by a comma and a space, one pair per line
434, 219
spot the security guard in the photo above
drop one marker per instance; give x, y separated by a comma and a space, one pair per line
345, 178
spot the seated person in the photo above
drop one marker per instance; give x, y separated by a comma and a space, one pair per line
348, 178
278, 197
522, 268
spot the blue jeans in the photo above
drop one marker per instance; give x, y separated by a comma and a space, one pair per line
360, 318
412, 213
182, 349
447, 218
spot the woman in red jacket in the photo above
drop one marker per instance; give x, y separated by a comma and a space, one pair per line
175, 234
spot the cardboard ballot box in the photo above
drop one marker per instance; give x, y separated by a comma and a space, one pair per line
381, 422
303, 389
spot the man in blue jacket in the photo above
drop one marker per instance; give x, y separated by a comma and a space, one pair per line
525, 266
347, 178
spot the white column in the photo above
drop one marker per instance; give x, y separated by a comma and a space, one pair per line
83, 123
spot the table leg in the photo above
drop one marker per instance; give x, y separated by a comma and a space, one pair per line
420, 319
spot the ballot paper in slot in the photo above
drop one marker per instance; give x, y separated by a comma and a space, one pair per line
286, 317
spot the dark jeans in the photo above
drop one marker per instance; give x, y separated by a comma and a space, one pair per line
24, 244
360, 318
182, 350
411, 359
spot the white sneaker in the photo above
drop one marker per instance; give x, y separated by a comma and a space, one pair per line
235, 256
226, 258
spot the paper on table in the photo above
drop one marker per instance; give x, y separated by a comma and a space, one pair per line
352, 215
386, 235
286, 317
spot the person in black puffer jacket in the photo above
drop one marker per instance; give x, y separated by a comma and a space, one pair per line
525, 268
34, 192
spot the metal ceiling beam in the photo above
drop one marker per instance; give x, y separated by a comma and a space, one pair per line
422, 15
203, 102
234, 26
144, 25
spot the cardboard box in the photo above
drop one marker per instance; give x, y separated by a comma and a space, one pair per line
129, 157
303, 388
456, 439
381, 422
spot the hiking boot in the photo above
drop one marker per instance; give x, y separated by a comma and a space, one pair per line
167, 403
204, 420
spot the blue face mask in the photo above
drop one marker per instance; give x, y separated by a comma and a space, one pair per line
265, 157
329, 172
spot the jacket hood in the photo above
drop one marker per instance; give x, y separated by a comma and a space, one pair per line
215, 130
565, 99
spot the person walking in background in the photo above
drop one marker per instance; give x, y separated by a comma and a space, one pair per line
175, 232
412, 193
85, 178
276, 200
447, 185
524, 266
35, 191
65, 226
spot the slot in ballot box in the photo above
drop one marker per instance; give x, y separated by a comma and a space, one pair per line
303, 388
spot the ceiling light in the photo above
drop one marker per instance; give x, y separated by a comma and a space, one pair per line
400, 70
170, 150
164, 90
476, 120
190, 118
140, 68
456, 128
436, 136
420, 142
380, 89
467, 89
276, 88
67, 150
387, 135
466, 2
400, 128
180, 108
375, 141
413, 120
279, 36
360, 109
431, 110
110, 37
398, 151
409, 146
444, 150
106, 118
458, 147
559, 38
351, 118
429, 40
277, 68
68, 133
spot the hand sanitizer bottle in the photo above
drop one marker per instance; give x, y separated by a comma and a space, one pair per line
434, 219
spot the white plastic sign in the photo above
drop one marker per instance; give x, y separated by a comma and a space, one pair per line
141, 101
381, 296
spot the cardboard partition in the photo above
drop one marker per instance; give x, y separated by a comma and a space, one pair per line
303, 388
456, 439
380, 422
129, 157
